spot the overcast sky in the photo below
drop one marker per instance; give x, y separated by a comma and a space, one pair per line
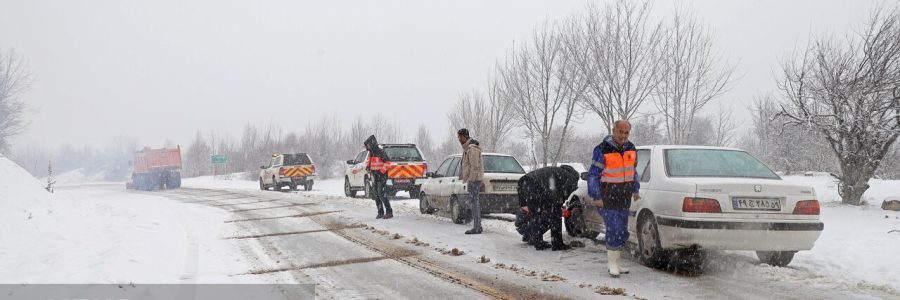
159, 70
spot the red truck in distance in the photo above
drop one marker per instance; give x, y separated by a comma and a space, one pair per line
155, 169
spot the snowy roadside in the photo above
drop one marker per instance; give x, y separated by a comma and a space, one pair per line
81, 235
854, 251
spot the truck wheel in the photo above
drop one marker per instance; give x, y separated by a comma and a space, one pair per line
347, 190
776, 258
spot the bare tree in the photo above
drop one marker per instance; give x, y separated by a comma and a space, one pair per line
619, 57
14, 80
691, 74
487, 116
543, 88
849, 91
723, 126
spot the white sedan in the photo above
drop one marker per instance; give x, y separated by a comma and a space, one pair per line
698, 198
442, 190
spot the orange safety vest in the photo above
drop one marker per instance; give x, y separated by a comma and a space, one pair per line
376, 164
619, 168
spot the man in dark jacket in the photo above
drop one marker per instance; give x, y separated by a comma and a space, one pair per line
377, 173
541, 195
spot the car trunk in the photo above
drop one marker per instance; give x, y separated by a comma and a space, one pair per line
753, 197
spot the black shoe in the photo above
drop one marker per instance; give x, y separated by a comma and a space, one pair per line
474, 231
388, 215
541, 245
526, 239
560, 247
380, 216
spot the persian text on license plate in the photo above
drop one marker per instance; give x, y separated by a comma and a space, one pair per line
505, 187
402, 181
768, 204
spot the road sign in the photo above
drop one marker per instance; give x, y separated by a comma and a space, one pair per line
218, 159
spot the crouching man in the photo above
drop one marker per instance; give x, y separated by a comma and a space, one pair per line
541, 195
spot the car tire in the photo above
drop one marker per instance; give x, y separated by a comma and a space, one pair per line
262, 186
424, 207
349, 192
650, 250
457, 212
776, 258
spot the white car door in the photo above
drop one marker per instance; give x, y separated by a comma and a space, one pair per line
432, 186
358, 170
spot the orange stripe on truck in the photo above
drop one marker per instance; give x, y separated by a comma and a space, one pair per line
298, 171
406, 171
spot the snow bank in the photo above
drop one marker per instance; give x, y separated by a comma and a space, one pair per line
102, 235
855, 245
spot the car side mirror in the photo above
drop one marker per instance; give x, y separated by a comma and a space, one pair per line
584, 176
262, 167
351, 162
429, 174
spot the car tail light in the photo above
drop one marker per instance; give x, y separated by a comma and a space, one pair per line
807, 207
701, 205
566, 213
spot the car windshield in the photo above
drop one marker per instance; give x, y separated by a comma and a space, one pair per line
502, 164
715, 163
296, 159
403, 153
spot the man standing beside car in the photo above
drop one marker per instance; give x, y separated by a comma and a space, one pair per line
612, 184
472, 173
377, 171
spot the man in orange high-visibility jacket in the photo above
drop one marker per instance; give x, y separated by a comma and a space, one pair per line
612, 184
377, 172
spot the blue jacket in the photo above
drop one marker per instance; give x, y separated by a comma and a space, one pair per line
598, 161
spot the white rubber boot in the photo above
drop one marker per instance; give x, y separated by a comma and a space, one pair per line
612, 258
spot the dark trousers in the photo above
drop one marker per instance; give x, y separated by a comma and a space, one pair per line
534, 224
379, 195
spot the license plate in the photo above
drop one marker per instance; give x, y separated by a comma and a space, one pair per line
756, 204
402, 181
505, 187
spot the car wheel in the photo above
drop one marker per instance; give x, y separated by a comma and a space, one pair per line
424, 207
649, 249
457, 211
347, 190
776, 258
262, 186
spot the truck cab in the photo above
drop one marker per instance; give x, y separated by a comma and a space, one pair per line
288, 170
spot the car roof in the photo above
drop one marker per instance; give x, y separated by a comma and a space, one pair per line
483, 154
398, 145
666, 147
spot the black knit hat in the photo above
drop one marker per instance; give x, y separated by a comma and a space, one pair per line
463, 132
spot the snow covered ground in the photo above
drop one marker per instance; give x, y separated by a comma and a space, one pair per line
88, 235
855, 248
99, 233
